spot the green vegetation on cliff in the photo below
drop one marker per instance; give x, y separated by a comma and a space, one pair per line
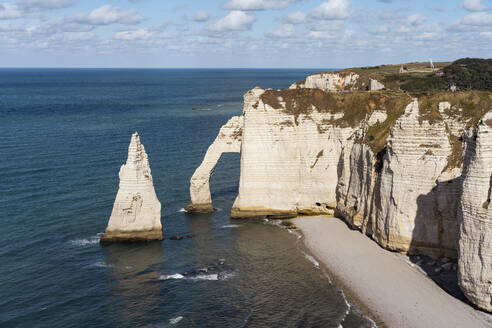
470, 73
418, 78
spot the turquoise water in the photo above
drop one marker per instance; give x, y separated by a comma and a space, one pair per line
65, 134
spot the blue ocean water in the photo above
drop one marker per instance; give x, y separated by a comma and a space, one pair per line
64, 135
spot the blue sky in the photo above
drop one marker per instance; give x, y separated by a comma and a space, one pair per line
240, 33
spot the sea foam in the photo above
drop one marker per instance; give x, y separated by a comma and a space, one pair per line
171, 276
174, 321
231, 226
93, 240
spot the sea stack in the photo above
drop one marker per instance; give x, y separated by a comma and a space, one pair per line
136, 215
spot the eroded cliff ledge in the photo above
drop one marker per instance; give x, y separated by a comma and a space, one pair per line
389, 163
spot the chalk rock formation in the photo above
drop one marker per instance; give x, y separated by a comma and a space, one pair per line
136, 214
387, 164
475, 217
288, 163
375, 85
329, 82
228, 141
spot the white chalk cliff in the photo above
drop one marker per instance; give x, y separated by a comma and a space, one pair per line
475, 216
330, 82
388, 164
136, 214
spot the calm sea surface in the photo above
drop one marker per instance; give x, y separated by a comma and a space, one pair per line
65, 134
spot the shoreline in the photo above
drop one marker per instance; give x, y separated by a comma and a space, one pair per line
386, 287
350, 298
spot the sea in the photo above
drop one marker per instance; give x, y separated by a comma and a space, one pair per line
64, 135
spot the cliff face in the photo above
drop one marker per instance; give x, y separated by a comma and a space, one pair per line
475, 214
388, 164
136, 214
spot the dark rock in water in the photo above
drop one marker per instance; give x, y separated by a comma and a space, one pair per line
195, 108
447, 266
218, 271
189, 236
176, 237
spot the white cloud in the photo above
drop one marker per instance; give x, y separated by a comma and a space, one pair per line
295, 18
201, 16
234, 21
332, 10
281, 31
257, 4
328, 25
80, 36
10, 11
140, 34
9, 27
382, 30
39, 5
108, 14
473, 5
322, 35
477, 19
416, 19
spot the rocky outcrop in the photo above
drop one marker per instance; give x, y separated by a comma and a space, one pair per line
136, 214
375, 85
228, 141
475, 217
329, 82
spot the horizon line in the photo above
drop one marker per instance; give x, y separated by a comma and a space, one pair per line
116, 67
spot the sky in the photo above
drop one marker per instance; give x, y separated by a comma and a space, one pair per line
241, 33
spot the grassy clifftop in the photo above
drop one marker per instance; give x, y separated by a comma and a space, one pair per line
418, 78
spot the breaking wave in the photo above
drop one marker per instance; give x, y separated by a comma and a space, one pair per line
171, 276
102, 264
312, 260
174, 321
93, 240
231, 226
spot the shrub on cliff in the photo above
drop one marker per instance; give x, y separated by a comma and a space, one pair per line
470, 73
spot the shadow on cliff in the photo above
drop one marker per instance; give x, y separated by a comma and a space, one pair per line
436, 232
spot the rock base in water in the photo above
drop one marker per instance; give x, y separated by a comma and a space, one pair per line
199, 208
131, 237
261, 213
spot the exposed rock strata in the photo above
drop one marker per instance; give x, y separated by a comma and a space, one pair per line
136, 214
475, 215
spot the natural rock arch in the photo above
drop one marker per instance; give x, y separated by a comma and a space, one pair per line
227, 141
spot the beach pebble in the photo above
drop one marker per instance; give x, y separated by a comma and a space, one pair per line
419, 262
446, 259
437, 270
431, 263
